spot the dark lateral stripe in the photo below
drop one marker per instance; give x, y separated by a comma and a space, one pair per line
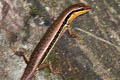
71, 15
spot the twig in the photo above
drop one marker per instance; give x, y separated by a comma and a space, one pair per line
98, 38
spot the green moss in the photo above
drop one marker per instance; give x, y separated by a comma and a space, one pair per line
53, 52
47, 70
51, 58
34, 12
74, 72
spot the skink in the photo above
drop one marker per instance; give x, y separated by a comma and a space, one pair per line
59, 26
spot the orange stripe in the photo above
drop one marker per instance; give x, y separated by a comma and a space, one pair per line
74, 15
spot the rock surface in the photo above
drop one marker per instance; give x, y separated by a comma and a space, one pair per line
95, 57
